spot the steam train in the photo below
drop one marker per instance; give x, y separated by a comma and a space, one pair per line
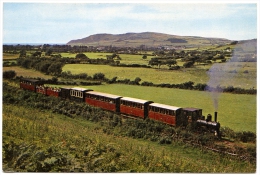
138, 108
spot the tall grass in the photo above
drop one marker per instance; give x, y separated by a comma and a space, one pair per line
39, 141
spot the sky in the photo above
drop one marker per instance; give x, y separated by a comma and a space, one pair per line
60, 22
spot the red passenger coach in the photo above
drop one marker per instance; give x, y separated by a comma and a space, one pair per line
164, 113
53, 91
134, 107
29, 84
41, 90
103, 100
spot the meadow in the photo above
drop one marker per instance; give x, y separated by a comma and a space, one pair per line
49, 142
126, 58
158, 76
9, 56
27, 72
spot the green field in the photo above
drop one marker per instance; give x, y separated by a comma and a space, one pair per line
126, 58
157, 76
8, 56
27, 72
235, 111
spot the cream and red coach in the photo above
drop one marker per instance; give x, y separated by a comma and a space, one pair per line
165, 113
103, 100
134, 107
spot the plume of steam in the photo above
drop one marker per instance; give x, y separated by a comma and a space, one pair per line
220, 72
213, 86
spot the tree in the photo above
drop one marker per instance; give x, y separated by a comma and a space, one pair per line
137, 80
117, 62
171, 62
9, 74
22, 53
144, 57
188, 64
81, 56
55, 68
155, 61
99, 76
37, 54
48, 52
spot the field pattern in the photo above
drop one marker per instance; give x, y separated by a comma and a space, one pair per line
157, 76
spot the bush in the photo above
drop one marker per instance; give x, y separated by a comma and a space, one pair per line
188, 64
9, 74
99, 76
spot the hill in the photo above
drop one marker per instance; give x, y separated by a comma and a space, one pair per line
149, 39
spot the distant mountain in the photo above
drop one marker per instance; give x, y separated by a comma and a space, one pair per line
148, 39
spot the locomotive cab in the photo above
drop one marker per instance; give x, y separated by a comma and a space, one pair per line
191, 115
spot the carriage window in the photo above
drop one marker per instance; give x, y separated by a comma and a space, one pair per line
167, 112
161, 110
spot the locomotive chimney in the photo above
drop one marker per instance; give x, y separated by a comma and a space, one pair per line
216, 116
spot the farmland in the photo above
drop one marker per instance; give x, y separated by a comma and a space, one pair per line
53, 135
197, 75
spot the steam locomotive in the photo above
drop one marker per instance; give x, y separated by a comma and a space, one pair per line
138, 108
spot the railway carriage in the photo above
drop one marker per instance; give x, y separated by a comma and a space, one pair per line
30, 84
103, 100
134, 107
164, 113
65, 92
78, 94
41, 90
50, 91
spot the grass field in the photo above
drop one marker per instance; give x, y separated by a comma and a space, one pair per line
27, 72
235, 111
8, 56
197, 75
52, 142
126, 58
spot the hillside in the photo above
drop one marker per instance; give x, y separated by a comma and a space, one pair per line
150, 39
